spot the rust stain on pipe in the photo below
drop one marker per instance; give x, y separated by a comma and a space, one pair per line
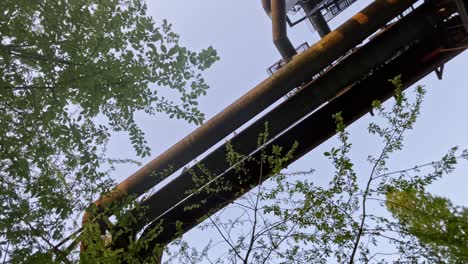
361, 18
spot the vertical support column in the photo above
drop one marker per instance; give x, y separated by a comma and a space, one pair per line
317, 20
280, 35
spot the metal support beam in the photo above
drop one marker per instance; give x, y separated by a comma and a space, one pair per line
439, 71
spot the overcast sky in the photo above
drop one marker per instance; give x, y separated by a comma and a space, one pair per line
241, 33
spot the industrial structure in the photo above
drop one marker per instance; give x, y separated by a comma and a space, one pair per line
343, 72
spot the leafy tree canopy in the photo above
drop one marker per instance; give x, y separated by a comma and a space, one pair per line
440, 226
64, 65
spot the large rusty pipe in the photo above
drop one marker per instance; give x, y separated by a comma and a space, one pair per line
280, 33
415, 26
297, 71
353, 104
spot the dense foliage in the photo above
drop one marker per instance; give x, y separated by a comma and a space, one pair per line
440, 227
72, 71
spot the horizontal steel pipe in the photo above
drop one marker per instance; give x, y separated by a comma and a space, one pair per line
353, 104
415, 26
297, 71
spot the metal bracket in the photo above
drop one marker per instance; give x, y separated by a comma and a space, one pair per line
439, 71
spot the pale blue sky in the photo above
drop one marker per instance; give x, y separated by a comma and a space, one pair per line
241, 32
